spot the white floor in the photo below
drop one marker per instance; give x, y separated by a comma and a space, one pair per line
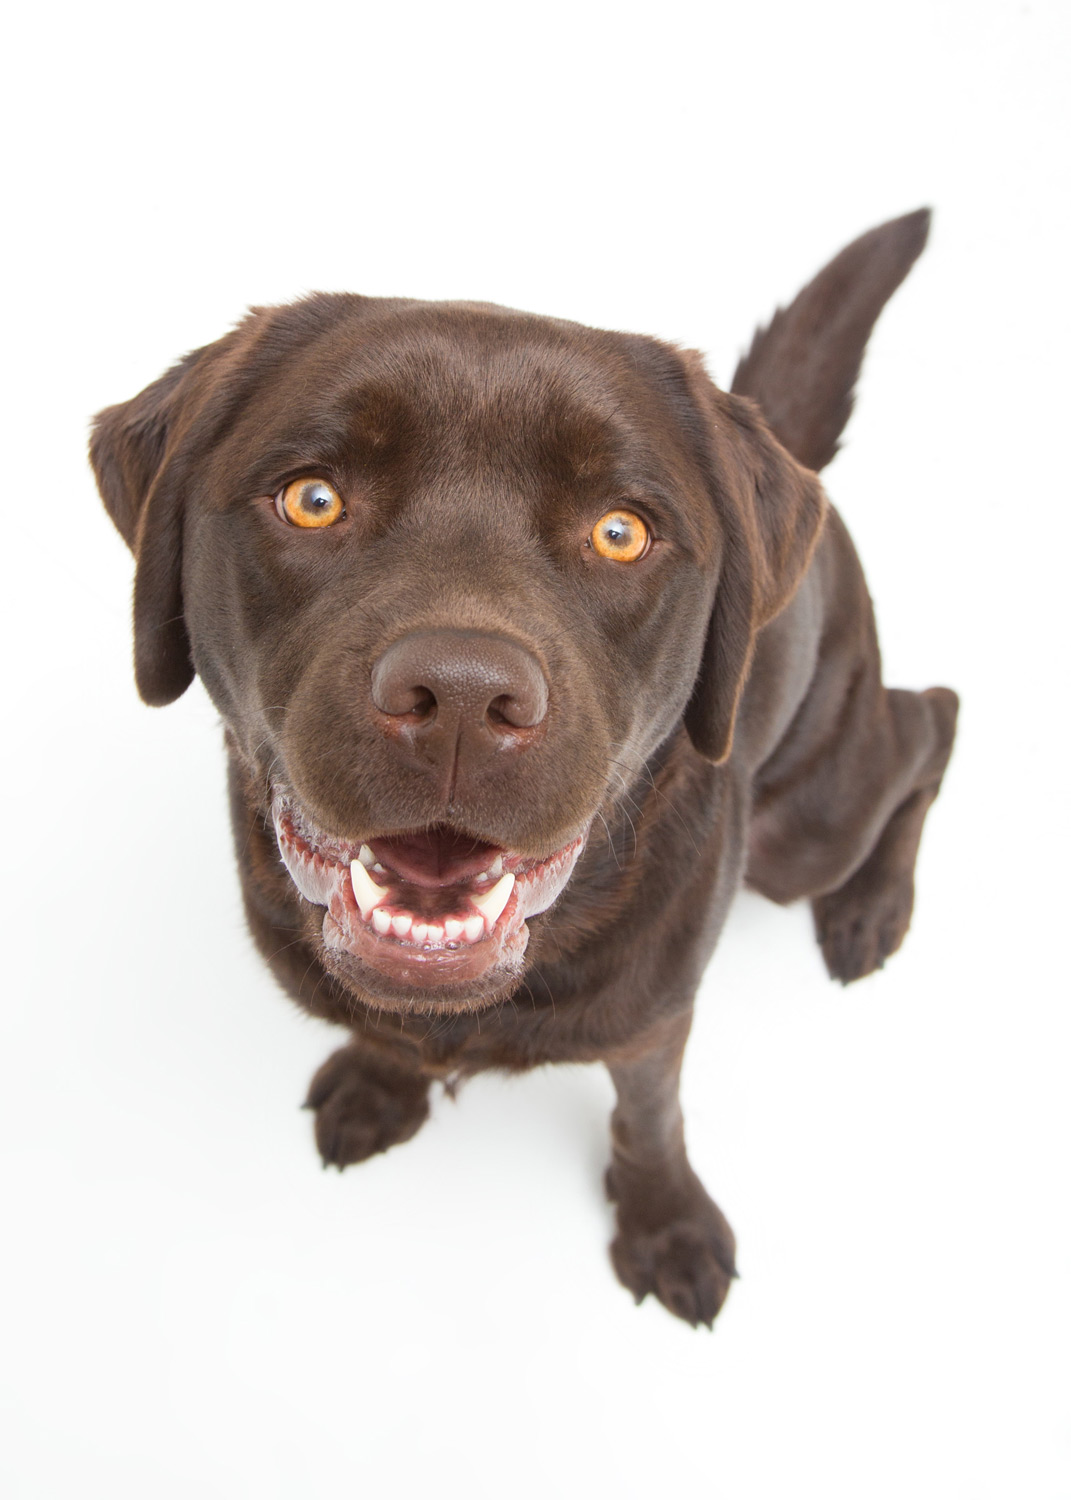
191, 1306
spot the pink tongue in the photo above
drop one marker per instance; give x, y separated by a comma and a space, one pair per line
436, 858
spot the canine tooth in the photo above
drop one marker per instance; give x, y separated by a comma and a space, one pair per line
454, 929
366, 893
381, 921
401, 925
495, 868
491, 903
473, 929
365, 855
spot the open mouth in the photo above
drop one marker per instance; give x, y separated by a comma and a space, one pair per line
426, 909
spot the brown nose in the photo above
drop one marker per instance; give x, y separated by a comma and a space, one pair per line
439, 688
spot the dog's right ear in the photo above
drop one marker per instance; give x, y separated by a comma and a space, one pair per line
129, 451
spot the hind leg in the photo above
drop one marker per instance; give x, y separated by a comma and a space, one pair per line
863, 921
847, 833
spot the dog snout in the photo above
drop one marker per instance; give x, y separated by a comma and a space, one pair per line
437, 688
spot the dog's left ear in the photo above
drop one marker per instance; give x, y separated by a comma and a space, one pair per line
129, 449
771, 511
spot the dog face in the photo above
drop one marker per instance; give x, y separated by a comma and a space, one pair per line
451, 575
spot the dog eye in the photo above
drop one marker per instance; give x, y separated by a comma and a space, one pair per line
310, 502
621, 536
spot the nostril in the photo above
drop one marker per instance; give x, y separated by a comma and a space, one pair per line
395, 693
509, 712
424, 704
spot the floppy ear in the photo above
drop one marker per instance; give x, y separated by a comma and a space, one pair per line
128, 451
771, 511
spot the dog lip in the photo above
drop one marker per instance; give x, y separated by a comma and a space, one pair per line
401, 854
397, 926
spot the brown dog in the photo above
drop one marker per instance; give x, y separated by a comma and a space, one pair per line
531, 645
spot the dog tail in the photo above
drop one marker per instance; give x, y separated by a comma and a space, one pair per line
802, 368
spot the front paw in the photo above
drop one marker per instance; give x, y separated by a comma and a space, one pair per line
685, 1253
364, 1106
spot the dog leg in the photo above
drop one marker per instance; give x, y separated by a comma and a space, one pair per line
863, 921
672, 1239
846, 833
366, 1100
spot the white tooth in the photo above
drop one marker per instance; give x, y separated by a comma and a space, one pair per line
367, 894
492, 902
473, 929
401, 924
495, 869
435, 933
419, 933
454, 929
381, 921
365, 855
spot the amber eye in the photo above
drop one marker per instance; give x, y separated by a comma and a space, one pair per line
310, 502
620, 536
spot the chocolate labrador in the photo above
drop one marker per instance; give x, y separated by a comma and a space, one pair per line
531, 646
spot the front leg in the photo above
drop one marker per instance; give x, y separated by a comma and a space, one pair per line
367, 1099
672, 1239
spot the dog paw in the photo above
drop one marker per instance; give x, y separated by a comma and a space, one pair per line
364, 1106
688, 1263
859, 927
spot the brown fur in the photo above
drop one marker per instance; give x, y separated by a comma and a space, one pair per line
716, 709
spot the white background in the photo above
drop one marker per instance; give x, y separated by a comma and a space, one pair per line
191, 1307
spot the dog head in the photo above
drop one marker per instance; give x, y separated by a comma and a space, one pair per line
451, 575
